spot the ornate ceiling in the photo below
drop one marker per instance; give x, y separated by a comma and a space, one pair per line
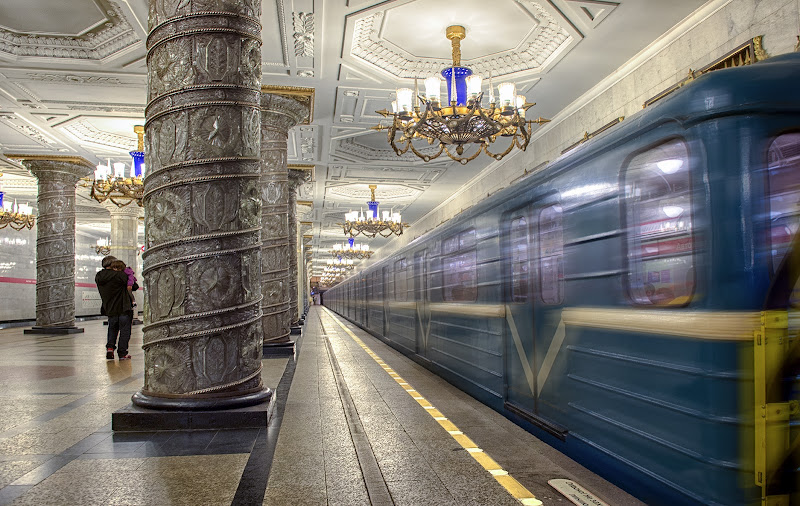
73, 81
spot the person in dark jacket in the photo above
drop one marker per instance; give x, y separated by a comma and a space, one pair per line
113, 288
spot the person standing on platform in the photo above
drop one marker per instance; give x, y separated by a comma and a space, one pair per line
113, 288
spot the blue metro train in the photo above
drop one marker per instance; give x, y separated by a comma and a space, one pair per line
630, 303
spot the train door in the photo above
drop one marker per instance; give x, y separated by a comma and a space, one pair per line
384, 300
422, 299
776, 348
535, 292
368, 296
519, 350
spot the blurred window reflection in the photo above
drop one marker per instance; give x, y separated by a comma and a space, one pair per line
400, 280
519, 260
551, 255
659, 210
459, 261
783, 167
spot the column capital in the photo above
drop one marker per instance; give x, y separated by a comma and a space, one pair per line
302, 95
48, 165
281, 113
298, 177
131, 210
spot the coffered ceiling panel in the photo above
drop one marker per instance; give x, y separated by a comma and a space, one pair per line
534, 37
89, 30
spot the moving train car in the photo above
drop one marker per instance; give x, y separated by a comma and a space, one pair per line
615, 302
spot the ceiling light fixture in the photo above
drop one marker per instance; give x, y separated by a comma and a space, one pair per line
120, 189
102, 248
461, 120
350, 250
16, 216
339, 265
371, 225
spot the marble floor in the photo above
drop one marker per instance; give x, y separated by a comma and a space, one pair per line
348, 428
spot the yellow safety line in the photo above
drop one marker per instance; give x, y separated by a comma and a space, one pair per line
512, 486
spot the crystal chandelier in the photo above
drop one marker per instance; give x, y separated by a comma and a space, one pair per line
371, 225
17, 216
102, 248
119, 186
350, 250
461, 120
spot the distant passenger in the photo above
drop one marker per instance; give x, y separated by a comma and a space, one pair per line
116, 304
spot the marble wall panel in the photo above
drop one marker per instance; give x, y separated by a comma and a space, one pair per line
18, 274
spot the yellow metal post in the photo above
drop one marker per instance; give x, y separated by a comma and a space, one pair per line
771, 343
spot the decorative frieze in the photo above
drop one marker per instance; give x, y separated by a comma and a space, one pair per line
303, 34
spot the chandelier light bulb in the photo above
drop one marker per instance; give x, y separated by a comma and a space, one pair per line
119, 169
508, 93
404, 100
394, 106
521, 105
433, 89
474, 83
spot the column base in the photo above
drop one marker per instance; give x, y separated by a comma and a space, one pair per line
190, 414
53, 330
283, 349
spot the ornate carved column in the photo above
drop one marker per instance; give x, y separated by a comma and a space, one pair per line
55, 240
202, 334
279, 113
296, 178
124, 243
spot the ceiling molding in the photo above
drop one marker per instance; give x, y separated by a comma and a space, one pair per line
103, 40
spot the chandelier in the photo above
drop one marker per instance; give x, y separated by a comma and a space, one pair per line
120, 186
371, 225
461, 120
339, 265
102, 248
17, 216
350, 250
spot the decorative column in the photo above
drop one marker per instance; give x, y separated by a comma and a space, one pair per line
279, 113
202, 333
124, 243
297, 177
55, 240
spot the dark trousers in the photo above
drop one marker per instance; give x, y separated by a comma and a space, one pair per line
119, 324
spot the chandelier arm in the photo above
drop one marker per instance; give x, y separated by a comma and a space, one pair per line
427, 158
525, 134
462, 160
499, 156
399, 151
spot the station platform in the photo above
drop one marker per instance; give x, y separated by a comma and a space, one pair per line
355, 423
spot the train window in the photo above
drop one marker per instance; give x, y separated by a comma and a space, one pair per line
459, 274
551, 255
659, 211
783, 168
519, 260
400, 280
